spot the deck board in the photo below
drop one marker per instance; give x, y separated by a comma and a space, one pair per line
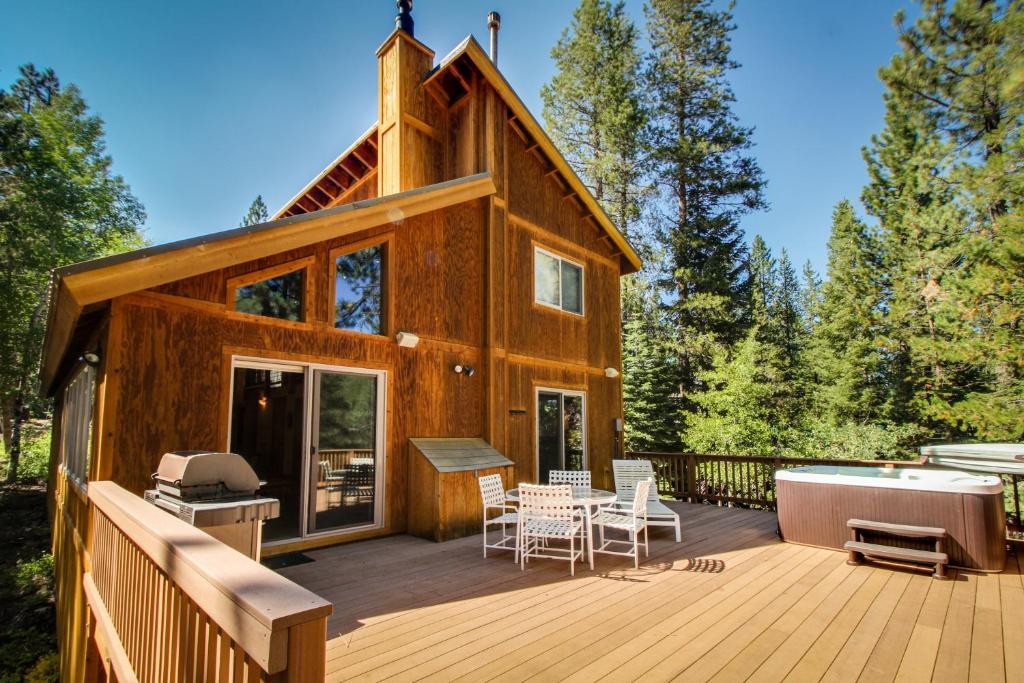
730, 603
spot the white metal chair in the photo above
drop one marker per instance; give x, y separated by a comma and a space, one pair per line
493, 492
575, 478
628, 516
629, 473
546, 513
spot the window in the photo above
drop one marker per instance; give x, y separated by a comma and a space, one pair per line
276, 297
76, 424
358, 290
557, 282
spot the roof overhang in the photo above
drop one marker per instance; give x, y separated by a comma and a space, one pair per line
475, 53
76, 287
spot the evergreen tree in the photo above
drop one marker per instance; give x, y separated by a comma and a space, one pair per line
844, 349
705, 177
739, 411
762, 285
957, 75
59, 204
257, 213
594, 110
787, 313
810, 297
649, 391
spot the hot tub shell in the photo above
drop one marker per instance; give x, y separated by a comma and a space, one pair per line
814, 504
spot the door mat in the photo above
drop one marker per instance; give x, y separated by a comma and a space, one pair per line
287, 560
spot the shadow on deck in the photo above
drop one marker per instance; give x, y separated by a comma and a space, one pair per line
729, 602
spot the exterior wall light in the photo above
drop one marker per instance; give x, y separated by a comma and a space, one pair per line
464, 370
407, 340
611, 373
90, 358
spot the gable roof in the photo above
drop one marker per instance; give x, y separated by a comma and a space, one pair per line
352, 167
528, 125
80, 285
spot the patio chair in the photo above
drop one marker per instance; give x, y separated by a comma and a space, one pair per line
628, 516
575, 478
493, 492
546, 513
629, 473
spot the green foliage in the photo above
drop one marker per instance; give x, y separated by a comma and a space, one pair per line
650, 391
35, 452
706, 179
854, 440
257, 213
594, 109
59, 204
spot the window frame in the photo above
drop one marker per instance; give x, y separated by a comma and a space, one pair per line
75, 466
537, 249
303, 264
386, 283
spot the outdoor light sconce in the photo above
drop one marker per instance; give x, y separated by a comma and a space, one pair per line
90, 358
611, 373
407, 340
464, 370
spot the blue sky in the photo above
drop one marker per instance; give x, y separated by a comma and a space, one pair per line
208, 104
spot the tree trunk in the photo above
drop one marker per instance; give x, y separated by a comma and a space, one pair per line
14, 454
6, 422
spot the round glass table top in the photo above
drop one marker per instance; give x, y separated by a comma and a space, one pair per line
581, 495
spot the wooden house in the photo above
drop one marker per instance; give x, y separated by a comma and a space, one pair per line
448, 275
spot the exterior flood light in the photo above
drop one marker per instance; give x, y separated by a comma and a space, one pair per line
464, 370
90, 358
407, 340
611, 373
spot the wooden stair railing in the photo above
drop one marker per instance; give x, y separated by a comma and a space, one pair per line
167, 602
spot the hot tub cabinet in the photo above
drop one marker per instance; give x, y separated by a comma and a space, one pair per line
814, 504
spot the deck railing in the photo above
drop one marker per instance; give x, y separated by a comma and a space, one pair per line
168, 602
749, 480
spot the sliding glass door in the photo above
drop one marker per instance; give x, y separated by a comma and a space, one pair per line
267, 429
346, 449
315, 435
561, 431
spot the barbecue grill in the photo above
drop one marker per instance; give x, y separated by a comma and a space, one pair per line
217, 493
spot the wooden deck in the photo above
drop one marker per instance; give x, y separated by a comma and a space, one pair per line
729, 603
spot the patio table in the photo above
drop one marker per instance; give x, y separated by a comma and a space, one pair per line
585, 498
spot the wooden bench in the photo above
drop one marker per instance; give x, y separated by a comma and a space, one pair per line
859, 549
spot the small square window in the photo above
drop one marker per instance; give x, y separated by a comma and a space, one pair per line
558, 282
276, 297
358, 290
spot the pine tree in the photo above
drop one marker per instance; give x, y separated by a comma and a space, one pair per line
762, 286
649, 390
59, 204
957, 78
705, 176
844, 350
257, 213
594, 110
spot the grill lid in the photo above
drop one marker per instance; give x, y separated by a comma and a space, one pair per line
194, 469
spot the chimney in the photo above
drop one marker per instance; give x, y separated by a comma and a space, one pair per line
404, 19
408, 119
493, 24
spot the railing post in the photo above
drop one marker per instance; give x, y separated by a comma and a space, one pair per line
691, 477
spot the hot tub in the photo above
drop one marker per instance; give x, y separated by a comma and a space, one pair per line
815, 502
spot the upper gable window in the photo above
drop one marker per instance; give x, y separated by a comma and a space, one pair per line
281, 296
359, 290
557, 282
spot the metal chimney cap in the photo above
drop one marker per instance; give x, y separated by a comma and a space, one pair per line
404, 19
493, 20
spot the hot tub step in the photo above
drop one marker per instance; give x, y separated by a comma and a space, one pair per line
859, 549
905, 530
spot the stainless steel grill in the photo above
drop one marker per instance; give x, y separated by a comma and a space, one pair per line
216, 492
